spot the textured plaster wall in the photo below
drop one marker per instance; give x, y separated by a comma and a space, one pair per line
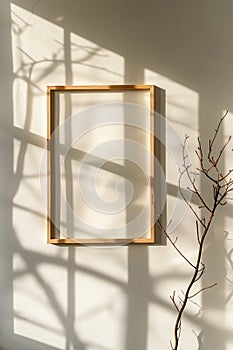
108, 299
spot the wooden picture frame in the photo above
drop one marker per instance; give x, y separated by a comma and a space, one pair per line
156, 104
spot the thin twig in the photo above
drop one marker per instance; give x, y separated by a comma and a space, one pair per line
202, 290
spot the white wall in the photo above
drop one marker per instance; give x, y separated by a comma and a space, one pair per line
108, 299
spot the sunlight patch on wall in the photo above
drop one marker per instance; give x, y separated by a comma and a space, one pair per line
45, 54
100, 298
227, 132
38, 59
33, 297
100, 318
92, 64
228, 234
182, 112
182, 103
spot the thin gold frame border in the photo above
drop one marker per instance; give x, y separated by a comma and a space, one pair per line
156, 105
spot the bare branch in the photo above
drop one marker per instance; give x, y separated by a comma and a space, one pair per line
221, 186
197, 230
